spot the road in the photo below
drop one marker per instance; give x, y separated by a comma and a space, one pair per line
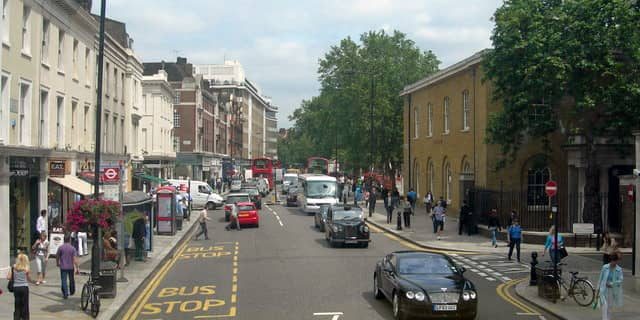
285, 270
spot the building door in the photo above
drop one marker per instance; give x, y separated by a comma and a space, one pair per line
613, 213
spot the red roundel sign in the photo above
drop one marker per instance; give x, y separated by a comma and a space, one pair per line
551, 188
111, 175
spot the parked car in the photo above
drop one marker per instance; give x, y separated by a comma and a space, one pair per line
321, 217
292, 196
234, 198
201, 193
345, 225
236, 185
248, 214
424, 285
256, 198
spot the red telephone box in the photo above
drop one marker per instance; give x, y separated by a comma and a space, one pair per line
166, 210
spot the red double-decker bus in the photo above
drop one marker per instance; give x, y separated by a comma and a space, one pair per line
263, 167
318, 165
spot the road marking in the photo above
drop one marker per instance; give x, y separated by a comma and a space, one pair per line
490, 279
276, 215
411, 245
482, 274
503, 292
335, 315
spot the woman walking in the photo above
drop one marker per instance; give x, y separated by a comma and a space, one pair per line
550, 245
41, 250
609, 246
494, 227
20, 276
610, 286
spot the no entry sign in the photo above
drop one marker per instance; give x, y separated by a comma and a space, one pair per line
111, 175
551, 188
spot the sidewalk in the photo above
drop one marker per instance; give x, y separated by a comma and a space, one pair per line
45, 300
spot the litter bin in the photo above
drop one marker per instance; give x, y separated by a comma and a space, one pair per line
547, 286
107, 280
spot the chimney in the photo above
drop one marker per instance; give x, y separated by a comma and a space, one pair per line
162, 65
181, 60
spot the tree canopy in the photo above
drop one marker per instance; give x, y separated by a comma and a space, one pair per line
568, 66
352, 76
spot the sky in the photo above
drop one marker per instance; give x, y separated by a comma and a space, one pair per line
279, 42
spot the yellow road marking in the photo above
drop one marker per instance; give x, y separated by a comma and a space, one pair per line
142, 299
413, 246
503, 292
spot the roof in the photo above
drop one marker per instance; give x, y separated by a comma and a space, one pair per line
415, 253
476, 58
317, 177
135, 198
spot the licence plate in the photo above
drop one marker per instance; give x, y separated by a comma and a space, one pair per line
243, 215
445, 307
350, 241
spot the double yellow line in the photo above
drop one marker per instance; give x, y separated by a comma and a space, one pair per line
144, 296
503, 292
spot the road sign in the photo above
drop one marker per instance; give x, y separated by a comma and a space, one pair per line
630, 192
551, 188
111, 175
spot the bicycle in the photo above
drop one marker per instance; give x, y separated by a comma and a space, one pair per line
90, 294
580, 288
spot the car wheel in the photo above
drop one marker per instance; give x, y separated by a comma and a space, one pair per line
257, 225
376, 290
397, 309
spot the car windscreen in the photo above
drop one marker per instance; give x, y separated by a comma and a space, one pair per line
290, 179
251, 192
246, 208
425, 265
234, 199
321, 189
347, 214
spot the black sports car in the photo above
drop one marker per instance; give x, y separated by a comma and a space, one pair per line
345, 225
292, 196
321, 217
425, 285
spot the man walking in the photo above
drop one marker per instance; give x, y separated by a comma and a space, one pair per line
67, 261
514, 234
465, 221
412, 197
202, 219
138, 235
407, 211
41, 223
439, 214
372, 201
234, 223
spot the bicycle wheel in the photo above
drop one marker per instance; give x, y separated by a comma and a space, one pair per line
95, 304
583, 292
84, 297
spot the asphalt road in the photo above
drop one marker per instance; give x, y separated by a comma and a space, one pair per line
285, 270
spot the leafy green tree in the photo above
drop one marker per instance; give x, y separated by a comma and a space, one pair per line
568, 67
354, 76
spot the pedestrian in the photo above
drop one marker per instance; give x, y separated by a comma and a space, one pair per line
407, 211
428, 201
367, 194
399, 209
67, 261
41, 250
372, 201
609, 246
393, 204
385, 197
19, 273
412, 197
202, 219
184, 208
494, 227
610, 286
464, 220
513, 215
139, 233
109, 247
233, 223
345, 194
41, 223
515, 239
358, 196
550, 245
439, 217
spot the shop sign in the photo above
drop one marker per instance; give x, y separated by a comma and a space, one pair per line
57, 168
23, 167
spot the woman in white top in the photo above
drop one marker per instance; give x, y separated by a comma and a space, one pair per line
41, 250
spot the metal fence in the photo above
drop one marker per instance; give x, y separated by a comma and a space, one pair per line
534, 214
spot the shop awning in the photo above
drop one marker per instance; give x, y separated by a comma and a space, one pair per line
151, 178
74, 184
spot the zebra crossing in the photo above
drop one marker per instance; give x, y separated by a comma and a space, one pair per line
491, 267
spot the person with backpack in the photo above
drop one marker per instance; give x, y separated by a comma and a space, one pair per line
514, 235
412, 197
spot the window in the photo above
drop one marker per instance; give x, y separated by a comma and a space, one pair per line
5, 21
145, 147
134, 99
122, 87
447, 177
60, 50
85, 125
466, 110
24, 137
75, 58
115, 84
106, 80
4, 108
135, 138
176, 120
74, 124
46, 25
536, 179
445, 114
122, 144
105, 132
432, 176
177, 98
416, 123
116, 132
43, 137
430, 119
60, 122
26, 29
87, 63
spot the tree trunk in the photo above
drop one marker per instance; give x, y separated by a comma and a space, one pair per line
592, 211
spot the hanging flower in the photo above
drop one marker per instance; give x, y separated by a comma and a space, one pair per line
84, 213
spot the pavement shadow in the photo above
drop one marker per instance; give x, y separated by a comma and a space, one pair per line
62, 305
382, 306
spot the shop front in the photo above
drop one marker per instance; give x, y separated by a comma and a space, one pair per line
24, 188
64, 189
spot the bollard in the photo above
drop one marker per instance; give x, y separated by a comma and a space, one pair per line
399, 225
534, 277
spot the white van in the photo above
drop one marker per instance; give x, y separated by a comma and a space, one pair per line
201, 193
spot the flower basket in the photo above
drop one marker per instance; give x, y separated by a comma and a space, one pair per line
85, 213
